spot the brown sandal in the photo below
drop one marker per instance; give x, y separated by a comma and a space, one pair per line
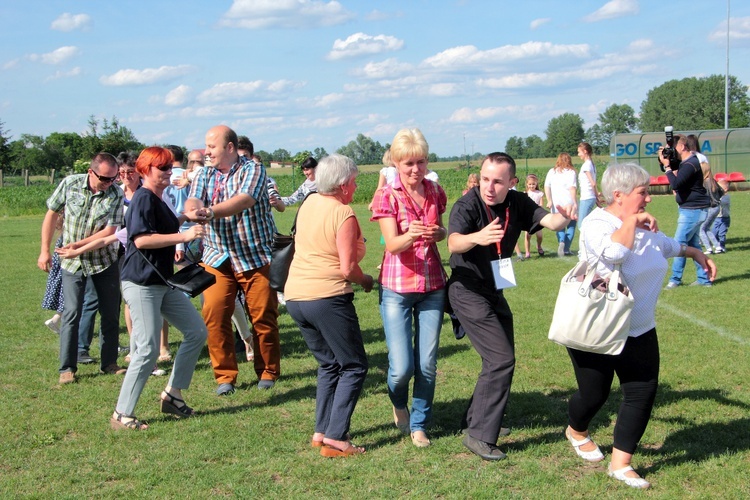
132, 425
331, 452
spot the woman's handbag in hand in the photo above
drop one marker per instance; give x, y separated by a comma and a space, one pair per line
592, 314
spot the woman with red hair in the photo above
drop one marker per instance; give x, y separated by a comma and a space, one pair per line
153, 232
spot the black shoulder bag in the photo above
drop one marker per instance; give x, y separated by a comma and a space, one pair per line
191, 279
282, 253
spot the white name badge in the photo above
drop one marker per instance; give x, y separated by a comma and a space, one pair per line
502, 271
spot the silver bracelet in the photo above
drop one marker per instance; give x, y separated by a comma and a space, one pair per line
683, 250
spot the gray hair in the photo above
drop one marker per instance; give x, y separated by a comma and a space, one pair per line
622, 177
333, 171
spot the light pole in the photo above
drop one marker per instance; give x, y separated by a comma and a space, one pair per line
726, 79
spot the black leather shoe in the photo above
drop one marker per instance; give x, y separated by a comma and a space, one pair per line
85, 359
485, 451
504, 431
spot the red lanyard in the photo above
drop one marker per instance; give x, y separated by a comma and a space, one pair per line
505, 226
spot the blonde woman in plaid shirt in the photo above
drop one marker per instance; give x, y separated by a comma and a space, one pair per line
412, 281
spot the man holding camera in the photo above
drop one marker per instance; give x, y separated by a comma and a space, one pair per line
686, 180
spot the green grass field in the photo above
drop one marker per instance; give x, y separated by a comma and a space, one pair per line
56, 441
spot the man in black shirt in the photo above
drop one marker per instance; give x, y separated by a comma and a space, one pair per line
483, 231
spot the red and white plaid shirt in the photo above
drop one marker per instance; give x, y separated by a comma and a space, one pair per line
419, 268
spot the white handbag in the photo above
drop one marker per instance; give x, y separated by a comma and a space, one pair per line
592, 314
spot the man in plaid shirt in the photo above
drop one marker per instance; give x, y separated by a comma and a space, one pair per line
237, 250
93, 209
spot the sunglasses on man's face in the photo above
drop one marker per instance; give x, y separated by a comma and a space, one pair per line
103, 178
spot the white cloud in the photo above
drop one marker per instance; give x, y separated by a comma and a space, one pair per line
379, 15
295, 14
372, 119
538, 22
472, 115
613, 9
327, 100
468, 55
236, 91
57, 56
70, 22
65, 74
362, 44
739, 30
178, 95
443, 89
390, 68
230, 91
11, 64
148, 76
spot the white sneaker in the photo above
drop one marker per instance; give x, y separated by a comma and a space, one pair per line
709, 251
720, 250
158, 372
561, 249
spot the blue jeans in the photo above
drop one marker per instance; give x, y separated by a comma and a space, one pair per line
419, 359
708, 239
566, 235
689, 222
107, 285
721, 227
88, 317
585, 207
149, 306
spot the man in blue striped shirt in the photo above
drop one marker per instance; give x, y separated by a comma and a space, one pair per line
237, 250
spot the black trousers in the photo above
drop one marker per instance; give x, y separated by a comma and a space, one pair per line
637, 368
488, 322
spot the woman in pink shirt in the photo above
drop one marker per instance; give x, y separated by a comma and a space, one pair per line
412, 281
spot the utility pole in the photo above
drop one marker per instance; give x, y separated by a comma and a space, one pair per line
726, 79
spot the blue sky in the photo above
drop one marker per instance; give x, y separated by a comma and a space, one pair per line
301, 74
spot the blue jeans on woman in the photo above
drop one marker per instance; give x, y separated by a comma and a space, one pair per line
689, 222
585, 207
417, 359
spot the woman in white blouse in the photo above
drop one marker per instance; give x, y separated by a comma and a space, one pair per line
624, 233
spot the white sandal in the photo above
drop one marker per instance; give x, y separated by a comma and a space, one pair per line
633, 482
590, 456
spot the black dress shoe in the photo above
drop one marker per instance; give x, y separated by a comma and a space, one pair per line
485, 451
85, 359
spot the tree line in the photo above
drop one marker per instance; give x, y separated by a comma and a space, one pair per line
687, 104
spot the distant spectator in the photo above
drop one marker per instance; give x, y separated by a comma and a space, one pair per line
560, 190
307, 187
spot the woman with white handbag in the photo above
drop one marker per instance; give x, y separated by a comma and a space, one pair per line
623, 234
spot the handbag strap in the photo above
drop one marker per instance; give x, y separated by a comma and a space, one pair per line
614, 277
294, 224
154, 268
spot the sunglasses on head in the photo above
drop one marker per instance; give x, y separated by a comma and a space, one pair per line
104, 178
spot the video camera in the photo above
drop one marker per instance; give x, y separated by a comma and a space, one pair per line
668, 151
